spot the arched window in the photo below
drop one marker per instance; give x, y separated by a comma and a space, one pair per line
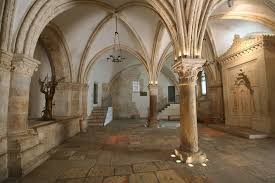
203, 83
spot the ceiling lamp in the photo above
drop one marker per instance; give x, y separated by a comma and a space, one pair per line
230, 3
116, 55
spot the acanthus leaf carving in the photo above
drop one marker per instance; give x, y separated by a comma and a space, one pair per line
188, 70
24, 65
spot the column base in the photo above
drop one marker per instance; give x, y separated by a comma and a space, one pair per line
152, 124
191, 158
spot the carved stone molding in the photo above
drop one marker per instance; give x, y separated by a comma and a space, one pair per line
5, 60
24, 65
153, 89
188, 70
71, 86
244, 46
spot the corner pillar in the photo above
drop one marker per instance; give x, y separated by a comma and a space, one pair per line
188, 69
153, 113
22, 143
21, 73
5, 67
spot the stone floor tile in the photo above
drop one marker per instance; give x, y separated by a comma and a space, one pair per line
231, 159
102, 171
81, 180
116, 179
143, 178
270, 180
123, 170
94, 180
162, 165
74, 173
80, 157
144, 167
169, 176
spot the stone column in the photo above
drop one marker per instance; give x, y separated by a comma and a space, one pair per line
5, 67
21, 73
84, 122
153, 112
187, 70
63, 99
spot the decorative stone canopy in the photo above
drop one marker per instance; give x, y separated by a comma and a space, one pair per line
244, 46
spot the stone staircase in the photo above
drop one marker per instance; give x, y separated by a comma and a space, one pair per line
172, 110
98, 116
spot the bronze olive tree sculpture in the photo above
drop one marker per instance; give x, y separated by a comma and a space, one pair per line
47, 87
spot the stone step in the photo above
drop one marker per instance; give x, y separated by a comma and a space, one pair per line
98, 116
171, 110
99, 112
95, 124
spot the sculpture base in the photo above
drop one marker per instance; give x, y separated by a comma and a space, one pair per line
191, 158
152, 124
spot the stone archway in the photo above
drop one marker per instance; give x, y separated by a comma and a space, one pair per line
54, 55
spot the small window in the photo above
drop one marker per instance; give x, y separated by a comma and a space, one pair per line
95, 93
203, 83
136, 86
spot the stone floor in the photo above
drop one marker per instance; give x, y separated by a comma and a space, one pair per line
126, 151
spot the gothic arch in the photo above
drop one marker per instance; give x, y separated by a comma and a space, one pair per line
55, 44
95, 33
99, 54
43, 11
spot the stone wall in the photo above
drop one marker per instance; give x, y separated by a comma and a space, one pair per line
116, 89
129, 104
51, 134
210, 107
30, 150
248, 81
5, 60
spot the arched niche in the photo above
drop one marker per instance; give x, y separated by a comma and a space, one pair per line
37, 100
54, 56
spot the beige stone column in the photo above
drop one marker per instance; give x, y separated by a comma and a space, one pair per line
188, 69
5, 67
21, 73
63, 99
84, 122
153, 112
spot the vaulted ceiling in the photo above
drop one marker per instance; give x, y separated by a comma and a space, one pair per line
88, 28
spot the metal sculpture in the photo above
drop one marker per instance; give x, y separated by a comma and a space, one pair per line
48, 87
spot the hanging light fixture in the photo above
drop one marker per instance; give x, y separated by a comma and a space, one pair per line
116, 55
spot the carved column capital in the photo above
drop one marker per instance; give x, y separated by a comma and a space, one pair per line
188, 70
24, 65
153, 89
5, 60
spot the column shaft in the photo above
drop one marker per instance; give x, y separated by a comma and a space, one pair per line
22, 71
188, 118
187, 70
153, 111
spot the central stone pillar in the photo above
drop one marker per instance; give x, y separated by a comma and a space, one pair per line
153, 111
188, 69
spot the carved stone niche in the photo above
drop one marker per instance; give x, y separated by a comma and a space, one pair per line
248, 83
